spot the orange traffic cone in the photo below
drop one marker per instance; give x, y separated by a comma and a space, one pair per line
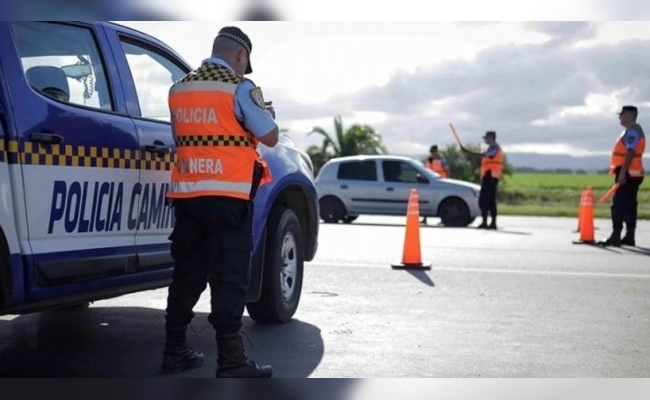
411, 256
587, 218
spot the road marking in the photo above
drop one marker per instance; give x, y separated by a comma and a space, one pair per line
495, 270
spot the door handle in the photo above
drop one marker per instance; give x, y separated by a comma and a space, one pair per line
157, 148
46, 137
344, 186
390, 189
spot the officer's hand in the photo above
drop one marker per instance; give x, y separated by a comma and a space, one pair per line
269, 108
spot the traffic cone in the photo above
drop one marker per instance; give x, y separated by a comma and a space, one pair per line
411, 256
587, 219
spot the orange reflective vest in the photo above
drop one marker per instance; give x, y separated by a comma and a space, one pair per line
436, 166
215, 155
494, 164
618, 154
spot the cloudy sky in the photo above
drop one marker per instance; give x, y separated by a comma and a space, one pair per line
545, 87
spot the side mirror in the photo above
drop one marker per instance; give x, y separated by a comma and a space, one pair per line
422, 179
77, 71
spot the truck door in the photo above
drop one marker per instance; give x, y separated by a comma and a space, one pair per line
153, 70
78, 152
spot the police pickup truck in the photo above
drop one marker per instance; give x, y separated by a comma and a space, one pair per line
86, 152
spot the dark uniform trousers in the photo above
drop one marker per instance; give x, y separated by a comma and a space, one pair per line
624, 206
212, 242
487, 200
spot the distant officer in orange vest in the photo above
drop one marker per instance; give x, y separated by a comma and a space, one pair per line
626, 166
218, 117
491, 170
436, 163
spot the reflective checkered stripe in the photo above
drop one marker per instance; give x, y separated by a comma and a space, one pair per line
9, 151
219, 140
83, 156
212, 72
3, 152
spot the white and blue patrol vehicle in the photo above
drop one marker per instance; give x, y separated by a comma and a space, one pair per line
86, 152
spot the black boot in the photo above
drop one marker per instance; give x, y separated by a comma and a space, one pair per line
232, 361
177, 356
613, 240
628, 239
493, 224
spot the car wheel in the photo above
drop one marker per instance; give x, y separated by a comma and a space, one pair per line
454, 212
283, 269
332, 209
349, 219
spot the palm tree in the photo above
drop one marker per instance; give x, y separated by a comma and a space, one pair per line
358, 139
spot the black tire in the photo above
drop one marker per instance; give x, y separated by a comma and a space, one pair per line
348, 219
283, 270
454, 212
332, 209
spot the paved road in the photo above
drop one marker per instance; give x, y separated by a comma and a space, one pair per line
523, 301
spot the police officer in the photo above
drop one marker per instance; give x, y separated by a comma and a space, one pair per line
491, 170
436, 163
218, 117
626, 166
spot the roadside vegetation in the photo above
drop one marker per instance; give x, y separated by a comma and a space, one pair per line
558, 194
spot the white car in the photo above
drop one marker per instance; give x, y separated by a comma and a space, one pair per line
350, 186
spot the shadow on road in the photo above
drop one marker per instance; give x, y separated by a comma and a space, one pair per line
127, 342
638, 250
512, 232
185, 389
599, 246
422, 277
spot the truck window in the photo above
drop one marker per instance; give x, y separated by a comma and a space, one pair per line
63, 62
153, 74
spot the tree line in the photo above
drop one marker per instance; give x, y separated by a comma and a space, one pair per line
361, 139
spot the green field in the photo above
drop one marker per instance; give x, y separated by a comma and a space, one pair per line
558, 194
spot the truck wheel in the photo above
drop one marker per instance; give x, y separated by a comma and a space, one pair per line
283, 269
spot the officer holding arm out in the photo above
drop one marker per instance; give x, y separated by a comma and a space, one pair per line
218, 117
491, 169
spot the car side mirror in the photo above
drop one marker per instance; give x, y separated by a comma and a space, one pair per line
77, 71
422, 179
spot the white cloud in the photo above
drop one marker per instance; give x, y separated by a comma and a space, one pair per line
551, 88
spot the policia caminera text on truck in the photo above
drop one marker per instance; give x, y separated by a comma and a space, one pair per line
86, 151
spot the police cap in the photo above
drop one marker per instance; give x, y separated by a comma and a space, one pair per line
433, 148
491, 134
236, 34
631, 109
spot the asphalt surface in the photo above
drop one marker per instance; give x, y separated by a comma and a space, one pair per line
520, 302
